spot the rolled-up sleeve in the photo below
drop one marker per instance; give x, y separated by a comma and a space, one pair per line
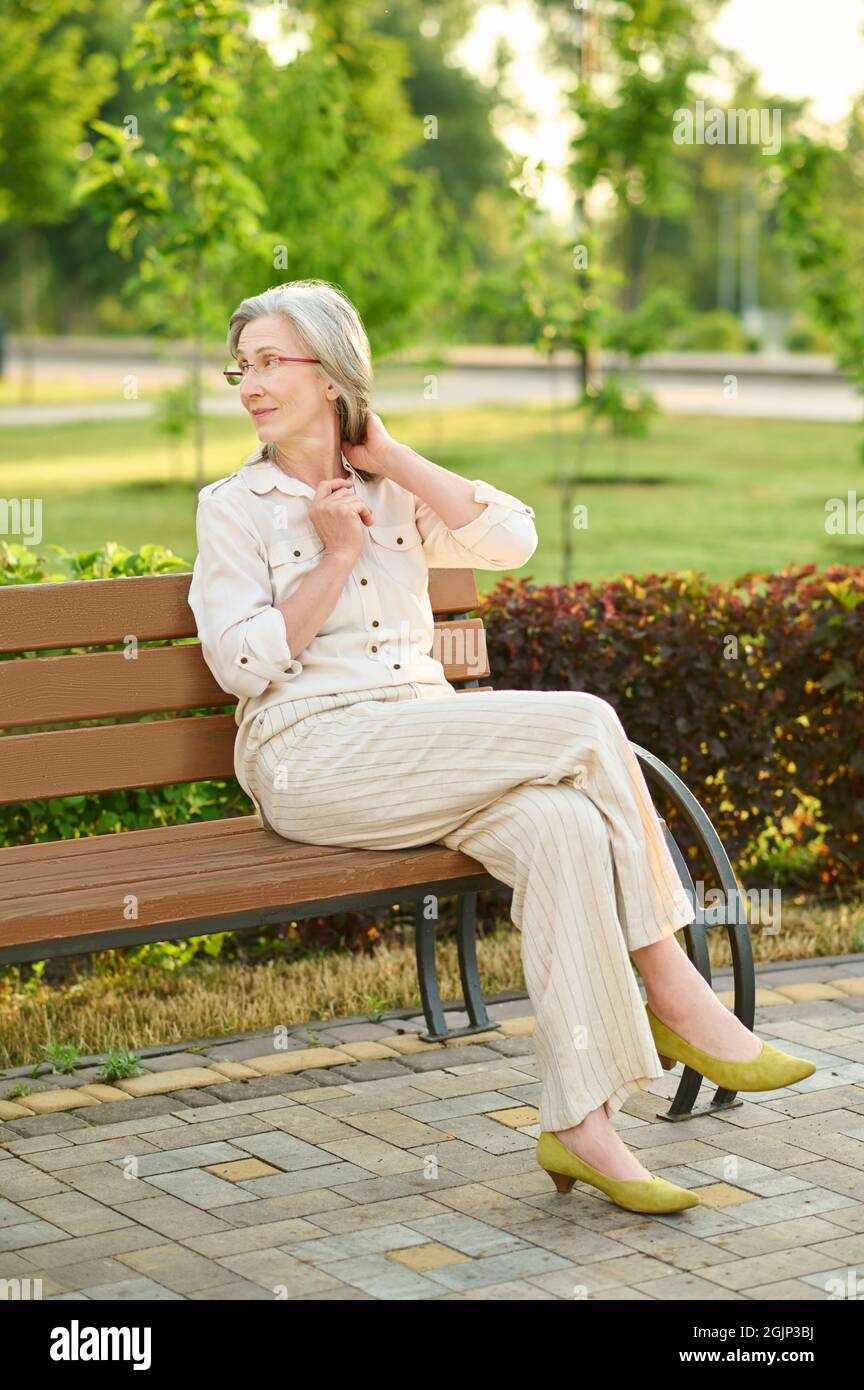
242, 634
502, 537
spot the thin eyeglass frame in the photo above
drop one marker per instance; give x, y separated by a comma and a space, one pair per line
251, 366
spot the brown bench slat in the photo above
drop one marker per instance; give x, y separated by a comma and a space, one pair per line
49, 690
198, 831
94, 612
75, 911
460, 647
119, 867
113, 757
100, 612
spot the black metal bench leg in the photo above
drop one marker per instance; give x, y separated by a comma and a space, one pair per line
427, 973
696, 942
743, 973
466, 936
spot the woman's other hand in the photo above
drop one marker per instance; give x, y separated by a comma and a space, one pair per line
339, 515
372, 455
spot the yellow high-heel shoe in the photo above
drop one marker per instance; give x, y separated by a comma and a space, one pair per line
634, 1194
770, 1070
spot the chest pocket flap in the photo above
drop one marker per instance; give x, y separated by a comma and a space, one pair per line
402, 536
299, 546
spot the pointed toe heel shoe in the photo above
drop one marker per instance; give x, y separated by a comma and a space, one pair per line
565, 1167
771, 1070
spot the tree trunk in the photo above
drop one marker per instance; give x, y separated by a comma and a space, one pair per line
197, 361
560, 471
633, 285
28, 297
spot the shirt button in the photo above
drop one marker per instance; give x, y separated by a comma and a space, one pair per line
364, 581
375, 622
395, 665
374, 649
244, 659
399, 540
296, 552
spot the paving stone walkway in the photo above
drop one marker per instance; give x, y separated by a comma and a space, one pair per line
353, 1160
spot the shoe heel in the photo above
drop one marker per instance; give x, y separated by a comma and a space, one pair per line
562, 1181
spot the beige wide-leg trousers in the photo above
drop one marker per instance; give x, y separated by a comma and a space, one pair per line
543, 788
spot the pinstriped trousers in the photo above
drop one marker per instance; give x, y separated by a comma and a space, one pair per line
543, 789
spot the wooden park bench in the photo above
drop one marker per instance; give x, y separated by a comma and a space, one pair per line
71, 896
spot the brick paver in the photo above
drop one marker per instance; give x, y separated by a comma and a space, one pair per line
355, 1160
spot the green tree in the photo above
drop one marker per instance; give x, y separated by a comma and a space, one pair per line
192, 204
728, 236
651, 53
463, 146
474, 166
87, 280
820, 242
623, 147
48, 92
335, 135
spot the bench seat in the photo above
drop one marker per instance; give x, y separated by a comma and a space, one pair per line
61, 897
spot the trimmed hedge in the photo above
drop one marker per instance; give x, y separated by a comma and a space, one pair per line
750, 689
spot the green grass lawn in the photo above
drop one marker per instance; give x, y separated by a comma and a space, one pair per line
721, 496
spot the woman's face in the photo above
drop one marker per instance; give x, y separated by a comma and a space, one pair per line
295, 400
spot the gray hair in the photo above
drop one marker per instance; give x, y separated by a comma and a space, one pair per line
329, 327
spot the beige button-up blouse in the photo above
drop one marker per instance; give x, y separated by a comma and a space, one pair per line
256, 544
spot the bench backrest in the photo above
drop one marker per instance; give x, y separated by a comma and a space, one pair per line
127, 683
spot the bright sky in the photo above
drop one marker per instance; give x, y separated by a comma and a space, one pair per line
801, 49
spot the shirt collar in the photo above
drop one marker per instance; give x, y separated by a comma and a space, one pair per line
264, 476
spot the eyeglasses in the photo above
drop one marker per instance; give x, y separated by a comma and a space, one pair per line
235, 377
